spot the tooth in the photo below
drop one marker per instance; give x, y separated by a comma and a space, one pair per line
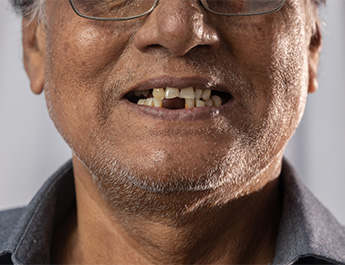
200, 103
187, 93
145, 93
141, 102
217, 101
158, 93
149, 102
171, 92
157, 103
206, 94
198, 93
209, 102
190, 103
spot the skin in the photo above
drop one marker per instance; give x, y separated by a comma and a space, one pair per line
156, 190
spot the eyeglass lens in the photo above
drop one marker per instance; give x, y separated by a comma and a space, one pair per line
240, 7
132, 8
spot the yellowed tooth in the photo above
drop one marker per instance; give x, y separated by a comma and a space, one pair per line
141, 102
209, 102
198, 93
189, 103
217, 101
158, 93
157, 103
206, 94
199, 103
171, 92
149, 102
187, 93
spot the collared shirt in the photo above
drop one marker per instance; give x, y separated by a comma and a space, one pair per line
308, 233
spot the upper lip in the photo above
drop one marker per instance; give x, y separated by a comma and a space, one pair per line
198, 82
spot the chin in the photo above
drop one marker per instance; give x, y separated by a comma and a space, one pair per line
167, 171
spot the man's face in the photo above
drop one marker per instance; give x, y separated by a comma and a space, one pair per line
260, 61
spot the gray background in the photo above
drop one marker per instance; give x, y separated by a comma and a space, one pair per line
31, 149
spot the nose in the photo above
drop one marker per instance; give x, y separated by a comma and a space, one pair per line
179, 26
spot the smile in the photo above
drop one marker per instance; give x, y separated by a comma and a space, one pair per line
175, 98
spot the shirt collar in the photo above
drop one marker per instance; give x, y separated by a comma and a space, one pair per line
31, 239
307, 229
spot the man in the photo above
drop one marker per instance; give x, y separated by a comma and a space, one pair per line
177, 113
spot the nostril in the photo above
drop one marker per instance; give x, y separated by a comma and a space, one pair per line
150, 47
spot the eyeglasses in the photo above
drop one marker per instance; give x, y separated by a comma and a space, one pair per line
115, 10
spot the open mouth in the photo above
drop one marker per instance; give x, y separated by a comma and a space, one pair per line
175, 98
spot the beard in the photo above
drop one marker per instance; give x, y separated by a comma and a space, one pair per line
170, 191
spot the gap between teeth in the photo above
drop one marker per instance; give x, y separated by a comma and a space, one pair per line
193, 97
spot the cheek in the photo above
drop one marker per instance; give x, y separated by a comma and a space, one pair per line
84, 53
289, 70
287, 75
251, 43
78, 63
272, 55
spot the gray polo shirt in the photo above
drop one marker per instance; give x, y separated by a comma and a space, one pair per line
308, 233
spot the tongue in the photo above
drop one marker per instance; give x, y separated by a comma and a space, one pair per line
174, 103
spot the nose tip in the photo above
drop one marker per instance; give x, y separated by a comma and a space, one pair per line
177, 26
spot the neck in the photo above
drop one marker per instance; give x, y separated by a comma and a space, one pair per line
188, 228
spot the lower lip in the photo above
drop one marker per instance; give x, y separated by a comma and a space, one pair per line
197, 113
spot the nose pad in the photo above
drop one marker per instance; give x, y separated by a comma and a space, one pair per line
178, 26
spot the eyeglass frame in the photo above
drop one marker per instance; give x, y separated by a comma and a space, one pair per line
203, 4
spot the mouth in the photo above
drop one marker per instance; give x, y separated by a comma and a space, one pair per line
178, 98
